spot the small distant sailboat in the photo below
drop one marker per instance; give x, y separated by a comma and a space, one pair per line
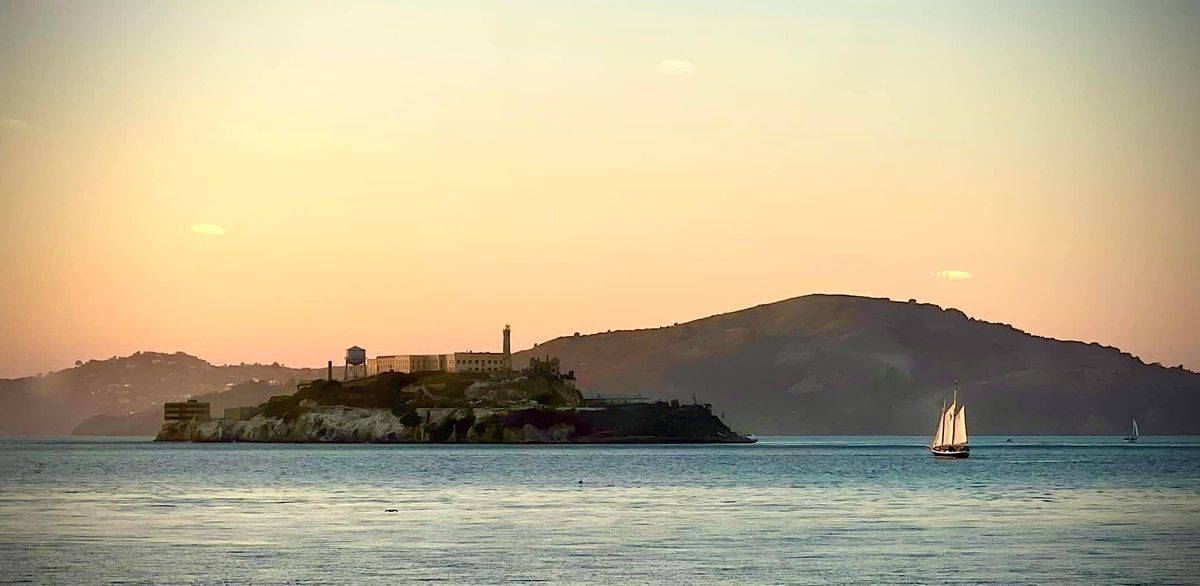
950, 440
1133, 433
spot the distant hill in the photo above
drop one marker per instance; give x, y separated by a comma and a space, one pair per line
57, 402
810, 365
244, 394
835, 364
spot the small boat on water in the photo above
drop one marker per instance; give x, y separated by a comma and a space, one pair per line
950, 440
1133, 434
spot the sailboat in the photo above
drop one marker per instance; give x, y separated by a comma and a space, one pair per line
950, 440
1133, 433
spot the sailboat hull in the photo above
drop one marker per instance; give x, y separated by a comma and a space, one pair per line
950, 452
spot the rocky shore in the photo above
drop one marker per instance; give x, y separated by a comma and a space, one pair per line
529, 408
645, 423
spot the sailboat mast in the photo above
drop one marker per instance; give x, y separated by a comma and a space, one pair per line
954, 416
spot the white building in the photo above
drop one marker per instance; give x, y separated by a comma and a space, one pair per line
453, 362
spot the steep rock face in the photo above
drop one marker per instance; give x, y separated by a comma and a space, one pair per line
843, 364
321, 424
336, 424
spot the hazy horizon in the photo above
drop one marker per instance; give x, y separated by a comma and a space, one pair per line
275, 182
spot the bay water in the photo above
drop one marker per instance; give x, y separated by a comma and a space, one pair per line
788, 510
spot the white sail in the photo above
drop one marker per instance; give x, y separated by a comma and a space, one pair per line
960, 426
1134, 434
950, 441
939, 437
948, 438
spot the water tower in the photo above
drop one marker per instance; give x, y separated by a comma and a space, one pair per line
356, 363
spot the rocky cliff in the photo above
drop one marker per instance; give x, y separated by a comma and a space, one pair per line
644, 423
441, 407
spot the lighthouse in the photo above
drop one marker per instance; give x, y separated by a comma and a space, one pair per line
507, 347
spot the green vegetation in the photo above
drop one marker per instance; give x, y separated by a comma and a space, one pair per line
284, 406
377, 392
403, 393
441, 407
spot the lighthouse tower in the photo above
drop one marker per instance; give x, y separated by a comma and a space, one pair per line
507, 347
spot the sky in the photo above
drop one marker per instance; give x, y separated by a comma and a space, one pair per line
275, 181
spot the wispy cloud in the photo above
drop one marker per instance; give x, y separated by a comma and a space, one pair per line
953, 275
14, 124
209, 229
677, 67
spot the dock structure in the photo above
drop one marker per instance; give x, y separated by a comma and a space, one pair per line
599, 399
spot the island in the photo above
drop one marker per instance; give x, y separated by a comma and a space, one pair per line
537, 405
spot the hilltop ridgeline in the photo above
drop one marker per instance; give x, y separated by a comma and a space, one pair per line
443, 407
837, 364
809, 365
124, 387
148, 422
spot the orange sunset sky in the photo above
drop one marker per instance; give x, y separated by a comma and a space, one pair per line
275, 181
